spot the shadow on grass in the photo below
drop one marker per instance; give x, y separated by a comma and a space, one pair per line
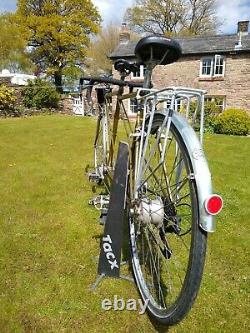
160, 329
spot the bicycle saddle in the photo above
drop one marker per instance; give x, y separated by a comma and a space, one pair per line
122, 65
159, 49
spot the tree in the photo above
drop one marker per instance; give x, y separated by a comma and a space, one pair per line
193, 17
100, 49
200, 17
58, 33
13, 52
98, 61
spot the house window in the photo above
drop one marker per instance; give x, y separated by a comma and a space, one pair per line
178, 104
138, 74
218, 100
219, 65
212, 66
133, 105
206, 69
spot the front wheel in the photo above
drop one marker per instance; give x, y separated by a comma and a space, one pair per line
168, 246
100, 146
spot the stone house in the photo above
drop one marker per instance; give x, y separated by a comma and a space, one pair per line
18, 79
220, 64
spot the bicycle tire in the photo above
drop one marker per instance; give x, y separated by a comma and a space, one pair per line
101, 152
100, 149
165, 306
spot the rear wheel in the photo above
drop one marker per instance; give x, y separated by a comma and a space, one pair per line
168, 247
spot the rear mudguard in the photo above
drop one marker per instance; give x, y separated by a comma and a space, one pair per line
201, 171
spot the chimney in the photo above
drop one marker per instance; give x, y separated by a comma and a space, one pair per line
243, 28
124, 33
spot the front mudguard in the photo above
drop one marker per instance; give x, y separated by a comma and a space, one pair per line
201, 171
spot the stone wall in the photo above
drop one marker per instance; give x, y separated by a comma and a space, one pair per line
234, 85
66, 105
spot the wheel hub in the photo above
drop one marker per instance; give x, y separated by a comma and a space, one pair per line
150, 211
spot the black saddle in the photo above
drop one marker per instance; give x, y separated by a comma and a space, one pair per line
158, 49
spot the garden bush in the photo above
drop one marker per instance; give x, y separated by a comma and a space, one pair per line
7, 100
211, 111
40, 94
232, 121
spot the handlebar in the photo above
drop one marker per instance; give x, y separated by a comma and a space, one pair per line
95, 80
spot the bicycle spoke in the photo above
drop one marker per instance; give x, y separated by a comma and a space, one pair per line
165, 257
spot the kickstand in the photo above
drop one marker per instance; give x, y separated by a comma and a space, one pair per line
102, 276
97, 282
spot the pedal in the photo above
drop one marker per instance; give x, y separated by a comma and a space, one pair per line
103, 216
101, 202
95, 178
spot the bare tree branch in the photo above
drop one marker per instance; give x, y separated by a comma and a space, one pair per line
173, 16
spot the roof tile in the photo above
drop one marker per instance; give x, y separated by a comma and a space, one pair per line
193, 45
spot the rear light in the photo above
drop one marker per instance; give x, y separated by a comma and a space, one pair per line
214, 204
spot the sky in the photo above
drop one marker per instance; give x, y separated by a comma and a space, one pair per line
229, 11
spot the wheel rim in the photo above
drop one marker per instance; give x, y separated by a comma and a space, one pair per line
100, 149
161, 252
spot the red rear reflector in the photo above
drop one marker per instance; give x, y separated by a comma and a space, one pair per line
214, 204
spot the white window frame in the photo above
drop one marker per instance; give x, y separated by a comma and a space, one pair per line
178, 105
214, 61
132, 105
213, 100
141, 74
216, 57
201, 66
223, 98
129, 105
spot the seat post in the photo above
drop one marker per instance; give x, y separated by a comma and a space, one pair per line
148, 75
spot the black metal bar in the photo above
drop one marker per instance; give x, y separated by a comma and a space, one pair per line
110, 254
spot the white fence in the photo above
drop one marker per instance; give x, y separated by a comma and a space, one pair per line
78, 106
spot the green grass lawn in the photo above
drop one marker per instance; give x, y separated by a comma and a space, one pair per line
49, 236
